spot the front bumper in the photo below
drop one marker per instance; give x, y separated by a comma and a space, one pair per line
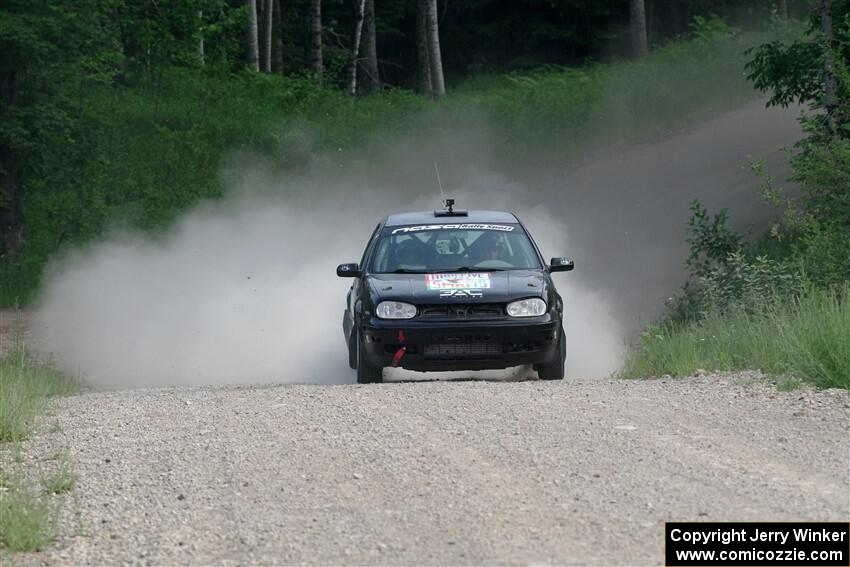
478, 345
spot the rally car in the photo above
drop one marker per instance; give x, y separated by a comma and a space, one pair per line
453, 290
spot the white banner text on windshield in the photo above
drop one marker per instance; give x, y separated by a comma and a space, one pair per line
419, 228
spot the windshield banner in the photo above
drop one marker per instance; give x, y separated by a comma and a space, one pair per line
458, 281
499, 227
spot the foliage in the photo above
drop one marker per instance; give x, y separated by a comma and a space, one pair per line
155, 148
711, 241
782, 302
26, 386
570, 108
795, 71
745, 284
792, 72
806, 338
822, 168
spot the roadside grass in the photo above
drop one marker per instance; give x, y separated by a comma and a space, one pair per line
26, 520
60, 481
26, 385
805, 339
27, 517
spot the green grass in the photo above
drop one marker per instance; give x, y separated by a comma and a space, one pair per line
568, 109
26, 386
26, 522
60, 481
805, 339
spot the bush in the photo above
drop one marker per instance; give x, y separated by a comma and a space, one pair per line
806, 338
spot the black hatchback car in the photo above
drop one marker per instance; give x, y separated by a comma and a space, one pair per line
453, 290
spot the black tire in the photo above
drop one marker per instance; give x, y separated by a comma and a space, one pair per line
555, 369
366, 372
352, 351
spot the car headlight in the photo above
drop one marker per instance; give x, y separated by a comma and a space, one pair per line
395, 310
532, 307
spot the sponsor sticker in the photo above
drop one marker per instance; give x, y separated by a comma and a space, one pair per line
467, 226
461, 293
472, 280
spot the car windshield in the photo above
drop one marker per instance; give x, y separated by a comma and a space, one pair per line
453, 248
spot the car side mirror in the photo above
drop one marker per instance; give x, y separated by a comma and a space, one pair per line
351, 270
561, 265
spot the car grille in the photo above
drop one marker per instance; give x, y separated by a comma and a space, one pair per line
462, 311
463, 350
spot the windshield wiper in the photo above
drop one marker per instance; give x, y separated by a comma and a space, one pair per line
404, 271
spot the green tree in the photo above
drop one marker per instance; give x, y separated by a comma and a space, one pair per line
51, 53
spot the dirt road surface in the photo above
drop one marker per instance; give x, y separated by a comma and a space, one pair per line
529, 473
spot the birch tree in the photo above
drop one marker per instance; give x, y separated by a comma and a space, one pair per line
356, 36
199, 49
435, 58
314, 50
637, 24
251, 39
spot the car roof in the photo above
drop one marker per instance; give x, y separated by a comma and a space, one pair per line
472, 217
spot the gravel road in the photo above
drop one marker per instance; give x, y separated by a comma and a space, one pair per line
531, 473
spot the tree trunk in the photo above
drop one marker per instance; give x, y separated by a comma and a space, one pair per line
422, 48
434, 56
650, 22
11, 190
252, 43
11, 205
829, 81
372, 79
200, 46
782, 8
676, 17
637, 24
356, 36
314, 54
266, 52
277, 46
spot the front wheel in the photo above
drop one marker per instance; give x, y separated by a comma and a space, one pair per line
555, 369
366, 372
352, 351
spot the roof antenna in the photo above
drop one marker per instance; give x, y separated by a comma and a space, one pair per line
447, 203
440, 184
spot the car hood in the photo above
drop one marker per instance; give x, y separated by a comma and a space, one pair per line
472, 287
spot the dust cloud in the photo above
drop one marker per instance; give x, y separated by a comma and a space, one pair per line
243, 290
